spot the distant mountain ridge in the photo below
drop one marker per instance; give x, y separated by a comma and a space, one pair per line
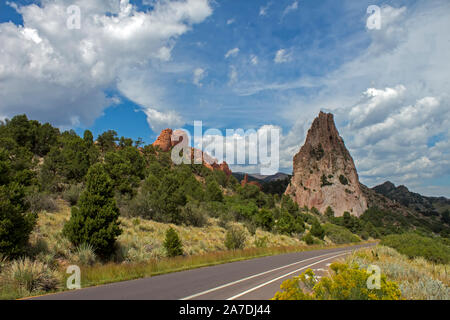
428, 206
261, 178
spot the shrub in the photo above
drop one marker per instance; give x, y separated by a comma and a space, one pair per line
172, 243
41, 202
345, 283
414, 245
251, 227
84, 254
235, 238
162, 197
95, 220
261, 242
213, 191
224, 220
72, 194
329, 213
324, 181
194, 215
29, 276
418, 279
339, 235
308, 238
264, 218
288, 224
317, 230
343, 180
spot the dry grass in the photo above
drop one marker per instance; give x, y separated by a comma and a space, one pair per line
142, 239
140, 252
418, 278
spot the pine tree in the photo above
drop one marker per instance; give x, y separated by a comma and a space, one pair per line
15, 224
213, 191
317, 230
172, 243
95, 220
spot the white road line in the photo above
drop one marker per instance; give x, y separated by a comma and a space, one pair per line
281, 277
250, 277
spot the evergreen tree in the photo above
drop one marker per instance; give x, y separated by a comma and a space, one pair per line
329, 213
15, 224
213, 191
95, 220
317, 230
107, 140
172, 243
288, 204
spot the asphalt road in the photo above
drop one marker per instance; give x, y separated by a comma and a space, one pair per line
257, 279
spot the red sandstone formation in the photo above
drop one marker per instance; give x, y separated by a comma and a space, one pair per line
324, 172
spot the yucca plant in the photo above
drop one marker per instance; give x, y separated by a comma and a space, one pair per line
84, 254
30, 276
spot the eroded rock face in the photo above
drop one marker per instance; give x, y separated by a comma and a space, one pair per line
224, 167
324, 172
164, 143
245, 181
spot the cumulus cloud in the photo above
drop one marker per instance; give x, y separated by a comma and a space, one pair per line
292, 7
232, 53
392, 138
263, 9
254, 60
252, 150
282, 56
232, 75
62, 74
231, 21
199, 74
391, 100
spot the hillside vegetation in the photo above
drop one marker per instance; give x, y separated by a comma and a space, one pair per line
121, 210
401, 278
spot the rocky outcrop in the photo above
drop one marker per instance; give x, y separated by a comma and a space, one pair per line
164, 143
324, 173
224, 167
245, 181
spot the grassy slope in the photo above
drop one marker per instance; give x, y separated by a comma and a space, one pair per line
141, 248
418, 278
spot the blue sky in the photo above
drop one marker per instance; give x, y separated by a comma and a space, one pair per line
140, 66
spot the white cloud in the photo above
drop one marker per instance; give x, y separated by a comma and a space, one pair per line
62, 75
263, 9
254, 60
232, 75
391, 101
232, 53
292, 7
282, 56
246, 145
159, 120
230, 21
199, 74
